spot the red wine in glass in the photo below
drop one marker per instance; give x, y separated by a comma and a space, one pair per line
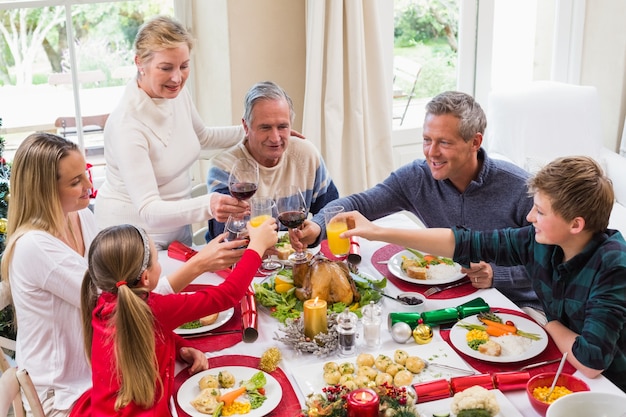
243, 190
292, 211
243, 179
292, 219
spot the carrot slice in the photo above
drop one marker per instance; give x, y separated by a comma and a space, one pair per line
505, 327
229, 397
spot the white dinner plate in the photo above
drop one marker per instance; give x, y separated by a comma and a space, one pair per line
428, 409
395, 267
310, 378
457, 338
222, 318
189, 390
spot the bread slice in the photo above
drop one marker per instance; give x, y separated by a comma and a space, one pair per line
205, 321
284, 251
416, 272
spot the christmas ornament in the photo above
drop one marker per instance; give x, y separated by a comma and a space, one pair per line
3, 225
422, 333
270, 359
401, 332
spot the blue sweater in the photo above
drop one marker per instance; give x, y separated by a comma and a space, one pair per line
496, 199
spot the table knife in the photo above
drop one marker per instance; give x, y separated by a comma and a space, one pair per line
535, 365
211, 333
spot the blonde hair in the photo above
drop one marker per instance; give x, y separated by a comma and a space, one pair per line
576, 187
116, 262
35, 200
158, 34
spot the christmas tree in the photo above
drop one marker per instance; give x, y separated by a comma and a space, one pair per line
6, 316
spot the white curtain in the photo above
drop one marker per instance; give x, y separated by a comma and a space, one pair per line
347, 104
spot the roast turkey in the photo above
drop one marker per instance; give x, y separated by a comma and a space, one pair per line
326, 279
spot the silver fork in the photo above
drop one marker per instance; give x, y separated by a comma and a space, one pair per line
436, 289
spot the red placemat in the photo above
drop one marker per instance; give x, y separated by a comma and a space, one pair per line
211, 343
328, 254
551, 352
386, 252
289, 405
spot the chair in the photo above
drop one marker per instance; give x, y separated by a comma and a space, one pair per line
61, 78
405, 75
13, 382
199, 229
536, 123
91, 124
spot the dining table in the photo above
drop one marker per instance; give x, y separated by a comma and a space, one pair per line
296, 368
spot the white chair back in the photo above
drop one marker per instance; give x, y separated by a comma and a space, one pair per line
536, 123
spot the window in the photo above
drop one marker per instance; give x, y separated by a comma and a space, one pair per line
72, 59
425, 51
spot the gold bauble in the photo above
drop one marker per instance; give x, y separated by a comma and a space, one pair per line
422, 333
3, 225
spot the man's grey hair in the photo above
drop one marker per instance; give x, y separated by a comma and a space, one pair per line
266, 90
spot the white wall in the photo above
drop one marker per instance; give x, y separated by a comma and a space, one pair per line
604, 63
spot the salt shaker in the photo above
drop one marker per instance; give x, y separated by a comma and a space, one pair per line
372, 320
346, 327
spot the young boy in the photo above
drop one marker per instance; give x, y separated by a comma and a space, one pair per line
578, 266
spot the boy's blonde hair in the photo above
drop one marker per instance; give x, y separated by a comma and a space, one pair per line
576, 187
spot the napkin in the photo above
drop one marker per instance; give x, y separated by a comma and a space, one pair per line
550, 352
386, 252
180, 251
289, 405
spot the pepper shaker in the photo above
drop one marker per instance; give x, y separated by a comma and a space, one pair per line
372, 320
346, 328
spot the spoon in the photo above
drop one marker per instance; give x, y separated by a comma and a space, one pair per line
556, 377
393, 298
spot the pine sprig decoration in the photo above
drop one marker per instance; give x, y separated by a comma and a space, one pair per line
324, 344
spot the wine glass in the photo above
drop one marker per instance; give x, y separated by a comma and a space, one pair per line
243, 179
292, 211
236, 228
262, 208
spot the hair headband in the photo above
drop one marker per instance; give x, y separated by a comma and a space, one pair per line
146, 252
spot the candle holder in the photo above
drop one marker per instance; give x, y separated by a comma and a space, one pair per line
363, 402
323, 345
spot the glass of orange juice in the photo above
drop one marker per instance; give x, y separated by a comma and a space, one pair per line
260, 210
334, 227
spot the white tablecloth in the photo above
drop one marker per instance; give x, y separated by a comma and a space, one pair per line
268, 326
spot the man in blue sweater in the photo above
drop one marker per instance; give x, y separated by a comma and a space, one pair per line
456, 185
